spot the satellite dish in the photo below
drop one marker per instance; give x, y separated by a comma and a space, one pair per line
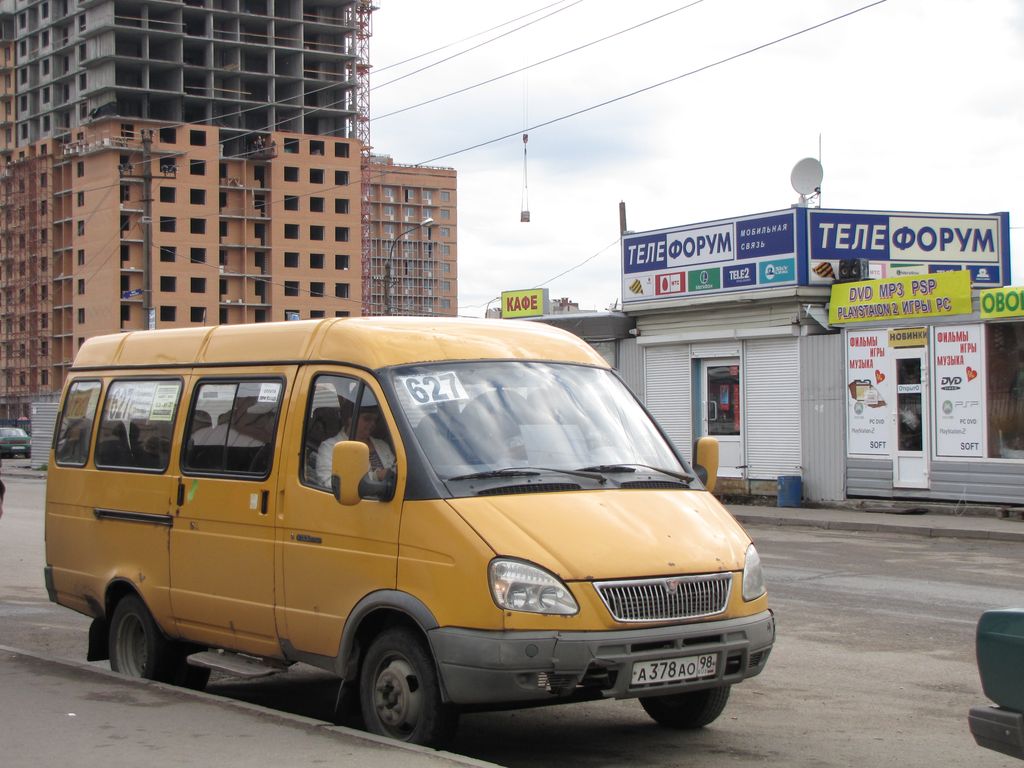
806, 177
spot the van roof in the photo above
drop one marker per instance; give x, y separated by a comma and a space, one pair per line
368, 342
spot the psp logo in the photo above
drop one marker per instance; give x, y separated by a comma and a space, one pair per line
951, 382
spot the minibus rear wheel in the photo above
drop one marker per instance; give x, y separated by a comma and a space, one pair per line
137, 646
687, 710
400, 694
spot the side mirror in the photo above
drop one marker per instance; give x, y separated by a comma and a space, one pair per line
350, 461
705, 459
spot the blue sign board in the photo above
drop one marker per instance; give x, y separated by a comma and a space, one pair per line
805, 247
671, 263
766, 236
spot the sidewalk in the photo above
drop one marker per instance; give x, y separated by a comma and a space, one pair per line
58, 712
935, 522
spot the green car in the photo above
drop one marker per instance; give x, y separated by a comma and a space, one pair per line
15, 443
1000, 647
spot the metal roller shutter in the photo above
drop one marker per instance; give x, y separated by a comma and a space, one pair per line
772, 423
667, 384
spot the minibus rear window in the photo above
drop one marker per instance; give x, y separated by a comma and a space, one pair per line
71, 448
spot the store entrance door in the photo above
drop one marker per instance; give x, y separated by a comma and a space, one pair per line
910, 462
722, 415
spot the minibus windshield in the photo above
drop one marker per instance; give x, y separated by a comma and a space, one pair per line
516, 417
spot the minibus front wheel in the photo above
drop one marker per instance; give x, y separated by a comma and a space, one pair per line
693, 709
400, 694
137, 646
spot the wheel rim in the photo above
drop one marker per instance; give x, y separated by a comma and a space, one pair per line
396, 696
131, 647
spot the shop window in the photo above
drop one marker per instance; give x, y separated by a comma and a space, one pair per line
1005, 390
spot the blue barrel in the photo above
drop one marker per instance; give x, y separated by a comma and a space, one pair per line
791, 490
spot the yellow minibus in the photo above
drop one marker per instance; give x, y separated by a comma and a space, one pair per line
445, 513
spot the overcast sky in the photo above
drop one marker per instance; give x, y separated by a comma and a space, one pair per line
919, 106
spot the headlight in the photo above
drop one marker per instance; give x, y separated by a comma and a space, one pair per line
753, 576
519, 586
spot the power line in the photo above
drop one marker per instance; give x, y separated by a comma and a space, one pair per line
475, 47
536, 63
698, 70
469, 37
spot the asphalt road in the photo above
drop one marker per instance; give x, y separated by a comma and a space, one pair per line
874, 664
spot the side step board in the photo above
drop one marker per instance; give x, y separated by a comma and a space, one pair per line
236, 664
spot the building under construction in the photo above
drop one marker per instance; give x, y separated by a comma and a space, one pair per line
168, 164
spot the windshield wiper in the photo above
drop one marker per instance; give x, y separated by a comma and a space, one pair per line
529, 471
611, 468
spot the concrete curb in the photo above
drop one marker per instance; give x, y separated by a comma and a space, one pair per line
340, 732
874, 527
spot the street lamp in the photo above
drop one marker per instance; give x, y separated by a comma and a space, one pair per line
389, 281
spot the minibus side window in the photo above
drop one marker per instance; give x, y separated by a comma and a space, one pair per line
71, 448
328, 419
231, 427
136, 424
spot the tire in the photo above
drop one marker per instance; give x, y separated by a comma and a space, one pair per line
137, 646
687, 711
399, 692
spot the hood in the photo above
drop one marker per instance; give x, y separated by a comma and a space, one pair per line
610, 534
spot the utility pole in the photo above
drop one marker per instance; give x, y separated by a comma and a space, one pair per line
148, 312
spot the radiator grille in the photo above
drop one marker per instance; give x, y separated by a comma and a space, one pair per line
667, 599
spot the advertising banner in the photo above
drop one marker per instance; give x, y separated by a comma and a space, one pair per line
870, 395
1002, 302
712, 257
958, 369
901, 244
938, 295
530, 303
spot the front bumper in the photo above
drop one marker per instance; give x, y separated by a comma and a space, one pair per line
494, 668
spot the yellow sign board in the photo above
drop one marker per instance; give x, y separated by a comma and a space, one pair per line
1002, 302
529, 303
900, 338
898, 298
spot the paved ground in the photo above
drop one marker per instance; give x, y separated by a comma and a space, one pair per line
58, 712
52, 708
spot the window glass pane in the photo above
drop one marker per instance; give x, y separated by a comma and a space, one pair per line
328, 420
136, 424
75, 431
1005, 390
231, 427
910, 436
723, 400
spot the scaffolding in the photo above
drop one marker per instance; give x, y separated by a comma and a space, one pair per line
364, 13
25, 216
